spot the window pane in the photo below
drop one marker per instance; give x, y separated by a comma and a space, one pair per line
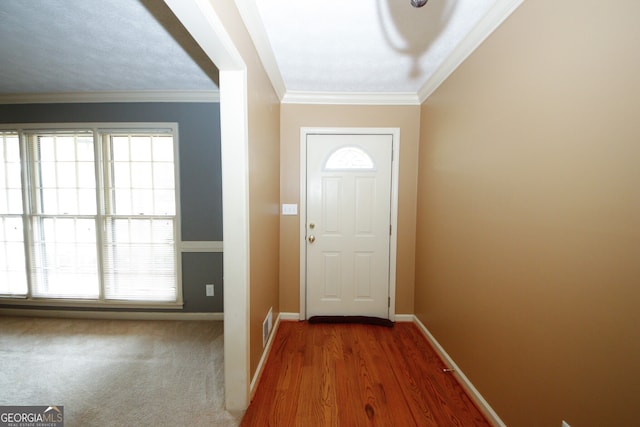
64, 254
46, 148
11, 148
49, 201
141, 148
120, 148
163, 175
13, 274
122, 175
122, 205
141, 175
84, 148
142, 202
48, 175
12, 203
86, 175
10, 174
163, 149
68, 202
86, 202
164, 202
66, 173
65, 148
13, 178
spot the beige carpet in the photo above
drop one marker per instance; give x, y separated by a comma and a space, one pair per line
116, 372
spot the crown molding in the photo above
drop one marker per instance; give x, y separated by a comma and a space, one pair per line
351, 98
116, 96
487, 25
253, 22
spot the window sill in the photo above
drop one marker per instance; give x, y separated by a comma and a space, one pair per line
76, 303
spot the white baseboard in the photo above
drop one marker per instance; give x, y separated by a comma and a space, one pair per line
405, 318
289, 316
110, 315
473, 393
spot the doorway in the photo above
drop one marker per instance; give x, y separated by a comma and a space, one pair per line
348, 218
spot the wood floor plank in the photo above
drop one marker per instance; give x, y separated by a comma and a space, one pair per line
419, 369
446, 396
365, 394
357, 375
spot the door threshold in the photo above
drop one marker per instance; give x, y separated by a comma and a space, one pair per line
365, 320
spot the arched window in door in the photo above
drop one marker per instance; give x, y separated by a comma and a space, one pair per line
348, 158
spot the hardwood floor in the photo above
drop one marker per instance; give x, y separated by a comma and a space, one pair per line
357, 375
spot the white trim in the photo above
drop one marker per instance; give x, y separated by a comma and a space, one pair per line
302, 225
90, 303
475, 395
289, 316
265, 355
114, 96
201, 20
494, 17
103, 127
201, 246
235, 222
405, 318
252, 20
178, 207
351, 98
393, 239
112, 315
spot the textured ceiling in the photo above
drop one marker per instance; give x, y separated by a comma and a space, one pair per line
365, 46
329, 46
57, 46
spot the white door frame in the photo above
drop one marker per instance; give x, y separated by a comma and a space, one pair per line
393, 238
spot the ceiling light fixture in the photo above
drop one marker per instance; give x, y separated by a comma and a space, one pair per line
418, 3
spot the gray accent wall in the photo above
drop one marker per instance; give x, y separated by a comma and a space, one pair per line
200, 175
200, 268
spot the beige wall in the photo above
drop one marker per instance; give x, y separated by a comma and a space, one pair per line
264, 182
528, 255
293, 117
264, 198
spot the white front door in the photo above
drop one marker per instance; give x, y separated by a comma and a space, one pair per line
348, 220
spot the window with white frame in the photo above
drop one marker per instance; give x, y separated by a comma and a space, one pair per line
88, 215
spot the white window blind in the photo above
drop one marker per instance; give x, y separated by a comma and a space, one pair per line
100, 218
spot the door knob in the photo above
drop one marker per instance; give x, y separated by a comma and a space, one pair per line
312, 238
